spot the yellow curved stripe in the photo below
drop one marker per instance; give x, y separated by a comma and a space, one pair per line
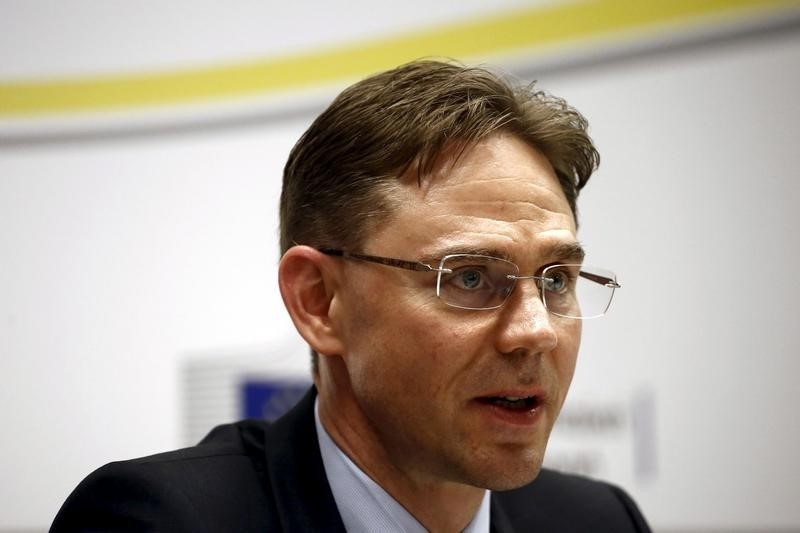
491, 35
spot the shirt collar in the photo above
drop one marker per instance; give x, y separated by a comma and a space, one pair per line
363, 504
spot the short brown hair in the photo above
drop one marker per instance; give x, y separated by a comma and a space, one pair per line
337, 180
337, 175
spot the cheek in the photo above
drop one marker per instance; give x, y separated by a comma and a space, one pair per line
568, 345
420, 358
384, 350
452, 342
405, 339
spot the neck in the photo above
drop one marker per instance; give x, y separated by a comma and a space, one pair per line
438, 504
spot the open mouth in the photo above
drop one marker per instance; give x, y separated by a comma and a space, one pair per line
514, 403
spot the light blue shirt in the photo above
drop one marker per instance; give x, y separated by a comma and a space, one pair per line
363, 505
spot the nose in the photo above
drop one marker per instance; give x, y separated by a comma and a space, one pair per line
525, 325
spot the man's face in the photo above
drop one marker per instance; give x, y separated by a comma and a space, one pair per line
428, 377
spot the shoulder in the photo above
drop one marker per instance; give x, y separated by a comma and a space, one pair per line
219, 481
569, 503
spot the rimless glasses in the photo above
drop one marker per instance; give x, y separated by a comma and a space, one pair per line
480, 282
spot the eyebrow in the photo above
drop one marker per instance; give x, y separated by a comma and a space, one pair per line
466, 249
562, 251
567, 251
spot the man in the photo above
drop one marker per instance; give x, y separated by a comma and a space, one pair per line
430, 260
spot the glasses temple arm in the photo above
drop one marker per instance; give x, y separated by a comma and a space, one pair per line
388, 261
602, 280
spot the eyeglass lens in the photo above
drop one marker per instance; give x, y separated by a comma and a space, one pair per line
475, 281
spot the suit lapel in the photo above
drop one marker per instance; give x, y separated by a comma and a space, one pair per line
498, 517
296, 475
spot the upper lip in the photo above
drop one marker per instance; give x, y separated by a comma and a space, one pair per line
537, 392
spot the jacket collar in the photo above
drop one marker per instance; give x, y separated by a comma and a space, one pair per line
301, 492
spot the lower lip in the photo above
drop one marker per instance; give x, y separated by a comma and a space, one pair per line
525, 418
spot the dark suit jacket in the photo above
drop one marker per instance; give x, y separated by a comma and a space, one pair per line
252, 476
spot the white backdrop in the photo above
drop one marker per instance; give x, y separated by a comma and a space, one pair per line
120, 257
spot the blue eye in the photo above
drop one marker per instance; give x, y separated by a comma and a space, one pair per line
557, 282
469, 278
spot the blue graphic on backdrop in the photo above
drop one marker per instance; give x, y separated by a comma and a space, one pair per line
269, 399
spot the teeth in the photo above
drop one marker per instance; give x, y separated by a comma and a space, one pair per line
517, 403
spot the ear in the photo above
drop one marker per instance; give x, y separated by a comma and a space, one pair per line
308, 282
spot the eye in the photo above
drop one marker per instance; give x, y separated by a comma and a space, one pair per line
557, 281
468, 278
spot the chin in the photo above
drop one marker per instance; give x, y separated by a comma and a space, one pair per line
513, 480
508, 475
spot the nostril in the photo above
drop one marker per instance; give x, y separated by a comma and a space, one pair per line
518, 353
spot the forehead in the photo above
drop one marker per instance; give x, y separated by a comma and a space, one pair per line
500, 194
